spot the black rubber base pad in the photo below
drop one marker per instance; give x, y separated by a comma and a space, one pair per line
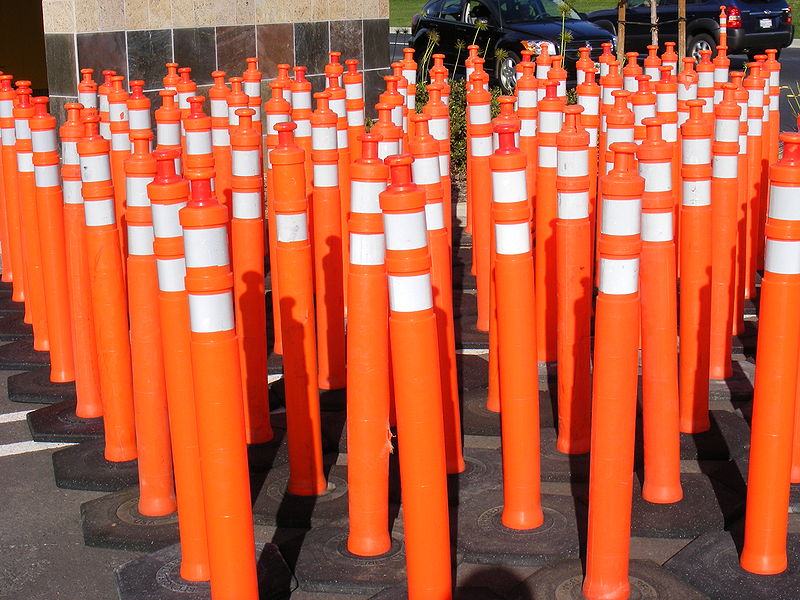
729, 437
58, 423
563, 580
83, 467
325, 565
745, 343
478, 420
466, 593
557, 466
483, 469
482, 537
7, 305
35, 387
711, 564
20, 356
12, 327
114, 521
737, 390
157, 577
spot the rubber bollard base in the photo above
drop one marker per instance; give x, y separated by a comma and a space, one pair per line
563, 579
559, 467
7, 305
729, 437
35, 387
482, 537
58, 423
13, 328
482, 470
478, 420
20, 356
84, 467
465, 593
157, 577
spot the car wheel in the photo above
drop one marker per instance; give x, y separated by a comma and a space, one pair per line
506, 71
698, 42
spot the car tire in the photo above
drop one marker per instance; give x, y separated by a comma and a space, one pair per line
698, 42
505, 71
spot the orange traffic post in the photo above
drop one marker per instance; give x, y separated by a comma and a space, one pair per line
7, 274
338, 104
29, 220
251, 85
669, 57
631, 71
773, 68
644, 106
722, 65
87, 89
186, 88
723, 26
472, 54
615, 382
766, 143
609, 83
705, 83
410, 73
11, 193
295, 269
327, 245
659, 297
417, 393
558, 74
300, 93
439, 127
284, 81
171, 79
755, 111
109, 298
52, 242
589, 98
120, 149
168, 126
168, 194
102, 96
391, 134
368, 391
652, 63
247, 241
516, 324
695, 269
526, 92
87, 373
220, 137
582, 65
740, 94
606, 57
439, 73
667, 111
353, 82
138, 109
216, 374
724, 213
544, 62
687, 89
777, 354
156, 488
425, 171
197, 137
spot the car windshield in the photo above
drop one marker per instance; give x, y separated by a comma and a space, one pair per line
520, 11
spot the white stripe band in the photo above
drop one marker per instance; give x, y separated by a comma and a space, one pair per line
526, 98
323, 138
99, 213
339, 106
548, 157
657, 227
140, 240
69, 153
301, 100
198, 142
657, 176
72, 191
666, 103
326, 175
168, 134
696, 151
481, 146
341, 138
782, 257
25, 162
136, 191
425, 170
171, 274
410, 293
573, 205
480, 114
621, 217
573, 163
512, 238
355, 118
22, 129
696, 193
121, 142
207, 247
47, 176
509, 186
44, 140
245, 163
364, 196
220, 137
550, 121
252, 88
210, 313
139, 118
434, 216
591, 105
726, 130
117, 112
166, 220
291, 227
784, 203
219, 109
405, 231
247, 205
619, 276
95, 168
725, 166
367, 249
386, 149
354, 91
439, 129
9, 138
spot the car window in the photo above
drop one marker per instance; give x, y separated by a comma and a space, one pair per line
451, 10
520, 11
476, 11
432, 9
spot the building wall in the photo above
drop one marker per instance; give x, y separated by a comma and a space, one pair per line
22, 43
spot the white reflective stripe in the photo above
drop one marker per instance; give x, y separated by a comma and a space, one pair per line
782, 256
198, 142
657, 176
291, 227
621, 217
304, 129
705, 79
542, 70
252, 88
171, 274
72, 191
550, 121
696, 151
512, 238
708, 106
22, 129
717, 96
168, 134
245, 163
405, 231
367, 249
590, 104
657, 227
44, 140
326, 175
439, 129
774, 102
755, 98
25, 162
482, 146
247, 205
6, 109
139, 118
273, 119
411, 100
480, 114
301, 100
341, 138
527, 127
183, 99
526, 98
784, 203
355, 118
233, 118
95, 168
592, 131
140, 240
573, 205
166, 220
323, 138
743, 112
434, 216
446, 99
725, 166
775, 78
99, 213
425, 170
720, 75
47, 176
386, 149
220, 137
105, 129
608, 98
619, 276
219, 109
548, 157
509, 186
754, 127
654, 73
614, 135
210, 313
410, 293
669, 132
9, 138
411, 76
604, 69
397, 115
69, 153
364, 196
580, 76
339, 106
117, 112
573, 163
287, 95
726, 130
136, 191
696, 193
354, 91
687, 93
444, 165
120, 142
742, 144
207, 247
642, 112
629, 83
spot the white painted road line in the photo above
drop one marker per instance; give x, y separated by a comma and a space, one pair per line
14, 416
29, 446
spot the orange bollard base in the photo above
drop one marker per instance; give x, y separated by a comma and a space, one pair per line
462, 593
59, 423
84, 467
35, 387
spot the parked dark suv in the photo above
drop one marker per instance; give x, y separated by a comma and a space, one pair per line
506, 24
752, 26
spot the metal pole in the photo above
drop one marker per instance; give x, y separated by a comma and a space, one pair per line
621, 10
653, 22
681, 31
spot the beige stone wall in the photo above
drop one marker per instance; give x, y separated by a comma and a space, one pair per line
78, 16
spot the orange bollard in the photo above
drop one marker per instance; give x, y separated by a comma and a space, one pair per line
516, 324
544, 62
695, 269
667, 110
755, 111
168, 194
652, 63
171, 79
766, 143
251, 85
410, 73
559, 74
644, 106
773, 68
338, 105
582, 65
138, 109
390, 133
295, 267
109, 302
197, 153
354, 103
631, 71
418, 399
705, 83
438, 73
741, 206
168, 125
216, 374
425, 173
300, 90
7, 274
156, 491
722, 65
777, 353
120, 151
87, 373
11, 193
220, 137
247, 241
724, 209
669, 58
687, 89
527, 101
29, 220
102, 95
606, 57
659, 296
589, 98
52, 242
87, 89
186, 88
439, 127
368, 443
615, 382
328, 246
723, 26
396, 100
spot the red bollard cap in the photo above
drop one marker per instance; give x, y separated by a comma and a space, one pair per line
402, 195
287, 152
137, 90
